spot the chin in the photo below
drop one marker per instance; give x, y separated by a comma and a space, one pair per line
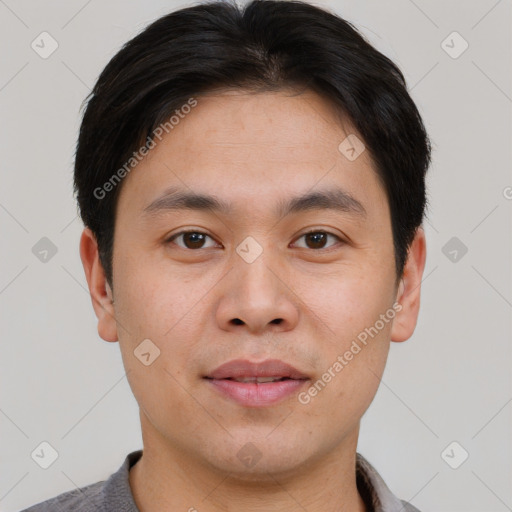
255, 461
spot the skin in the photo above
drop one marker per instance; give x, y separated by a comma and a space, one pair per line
252, 150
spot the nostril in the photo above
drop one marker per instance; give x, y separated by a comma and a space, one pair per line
237, 321
276, 321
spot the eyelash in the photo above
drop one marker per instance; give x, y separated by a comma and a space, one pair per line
315, 231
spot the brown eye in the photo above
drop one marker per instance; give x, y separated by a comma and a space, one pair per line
317, 239
191, 239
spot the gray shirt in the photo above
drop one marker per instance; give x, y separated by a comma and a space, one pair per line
115, 494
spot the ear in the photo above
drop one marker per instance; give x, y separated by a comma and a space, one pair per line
409, 289
101, 294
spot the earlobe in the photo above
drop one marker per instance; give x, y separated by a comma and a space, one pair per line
409, 288
99, 289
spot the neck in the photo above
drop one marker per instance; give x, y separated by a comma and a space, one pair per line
166, 478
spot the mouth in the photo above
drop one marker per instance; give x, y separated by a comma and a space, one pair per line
256, 384
258, 380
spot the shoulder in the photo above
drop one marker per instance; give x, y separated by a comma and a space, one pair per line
111, 495
85, 499
378, 495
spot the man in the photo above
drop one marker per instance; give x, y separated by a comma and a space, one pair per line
252, 182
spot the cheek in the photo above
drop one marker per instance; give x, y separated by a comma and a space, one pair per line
351, 377
161, 393
154, 300
156, 307
352, 338
346, 303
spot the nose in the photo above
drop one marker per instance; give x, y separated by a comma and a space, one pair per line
257, 298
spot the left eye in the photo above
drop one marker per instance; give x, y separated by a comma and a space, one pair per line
191, 239
317, 239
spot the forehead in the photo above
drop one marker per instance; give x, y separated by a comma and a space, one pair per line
250, 148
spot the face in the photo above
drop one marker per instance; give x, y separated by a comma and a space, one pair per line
289, 258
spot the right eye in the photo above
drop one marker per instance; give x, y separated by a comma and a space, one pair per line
190, 239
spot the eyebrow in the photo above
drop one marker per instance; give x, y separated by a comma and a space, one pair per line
175, 199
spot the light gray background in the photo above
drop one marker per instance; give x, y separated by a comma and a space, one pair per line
451, 382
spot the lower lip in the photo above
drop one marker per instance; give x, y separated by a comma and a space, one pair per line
252, 394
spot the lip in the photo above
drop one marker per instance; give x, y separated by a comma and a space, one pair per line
240, 368
254, 394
